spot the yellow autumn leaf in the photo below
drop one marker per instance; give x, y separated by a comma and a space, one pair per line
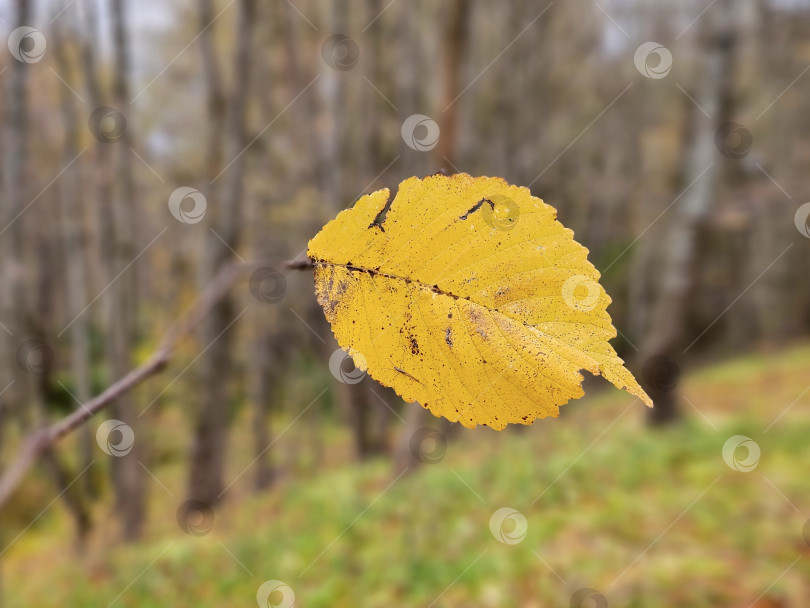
467, 296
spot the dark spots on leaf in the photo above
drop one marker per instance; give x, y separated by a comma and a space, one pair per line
332, 295
448, 337
478, 321
477, 206
449, 315
414, 345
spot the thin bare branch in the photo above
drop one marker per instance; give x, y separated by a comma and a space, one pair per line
40, 440
300, 263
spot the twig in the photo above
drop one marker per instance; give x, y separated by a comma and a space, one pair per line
300, 263
40, 440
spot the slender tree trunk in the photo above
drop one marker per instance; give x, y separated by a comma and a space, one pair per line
72, 220
375, 55
406, 77
333, 99
454, 43
206, 477
11, 267
405, 457
308, 171
97, 184
128, 479
13, 292
211, 418
353, 398
663, 348
266, 373
261, 396
456, 30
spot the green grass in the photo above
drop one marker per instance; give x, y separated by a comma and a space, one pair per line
648, 518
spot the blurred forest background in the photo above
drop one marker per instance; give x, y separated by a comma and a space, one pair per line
148, 147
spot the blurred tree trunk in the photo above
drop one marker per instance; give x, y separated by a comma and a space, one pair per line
72, 218
456, 30
12, 242
333, 96
353, 399
408, 61
375, 161
454, 43
206, 476
454, 55
361, 411
121, 219
99, 185
374, 52
263, 368
404, 457
303, 111
264, 380
666, 336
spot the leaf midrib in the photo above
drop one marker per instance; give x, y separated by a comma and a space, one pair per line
437, 290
